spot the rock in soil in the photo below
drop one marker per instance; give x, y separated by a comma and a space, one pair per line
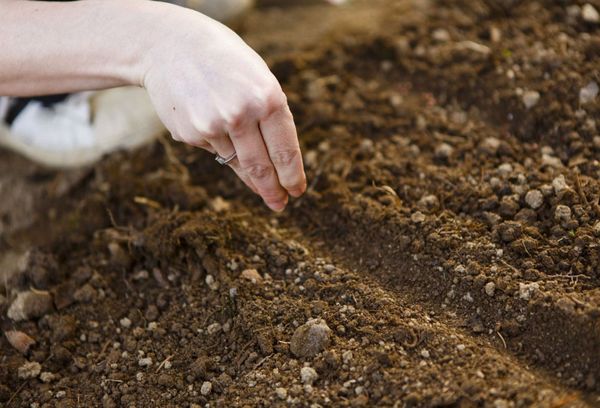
19, 340
30, 369
311, 338
30, 305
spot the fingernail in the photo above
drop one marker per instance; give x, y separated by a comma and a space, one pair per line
296, 193
278, 206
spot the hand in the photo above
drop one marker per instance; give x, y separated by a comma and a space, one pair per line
211, 90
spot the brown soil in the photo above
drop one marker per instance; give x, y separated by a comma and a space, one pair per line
415, 242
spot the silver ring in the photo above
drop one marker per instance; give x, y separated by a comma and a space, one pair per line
224, 160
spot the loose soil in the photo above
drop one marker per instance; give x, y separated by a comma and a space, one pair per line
449, 237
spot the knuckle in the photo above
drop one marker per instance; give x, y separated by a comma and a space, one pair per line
259, 171
284, 157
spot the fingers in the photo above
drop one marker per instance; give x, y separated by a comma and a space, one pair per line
254, 161
279, 134
223, 147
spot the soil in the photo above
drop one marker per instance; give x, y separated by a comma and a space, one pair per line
449, 238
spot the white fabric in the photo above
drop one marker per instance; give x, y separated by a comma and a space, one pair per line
61, 127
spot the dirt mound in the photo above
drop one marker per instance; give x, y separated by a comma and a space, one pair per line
448, 245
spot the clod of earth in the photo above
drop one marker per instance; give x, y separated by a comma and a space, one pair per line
311, 338
30, 305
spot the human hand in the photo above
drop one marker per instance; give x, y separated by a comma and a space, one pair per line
211, 90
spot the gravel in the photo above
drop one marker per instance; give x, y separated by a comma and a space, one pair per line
534, 199
530, 99
206, 388
590, 14
559, 184
311, 338
308, 375
30, 305
490, 288
281, 393
588, 93
30, 369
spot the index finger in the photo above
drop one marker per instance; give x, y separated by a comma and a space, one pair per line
280, 137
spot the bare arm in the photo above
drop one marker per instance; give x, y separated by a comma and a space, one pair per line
208, 87
63, 47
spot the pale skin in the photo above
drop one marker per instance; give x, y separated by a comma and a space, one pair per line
209, 88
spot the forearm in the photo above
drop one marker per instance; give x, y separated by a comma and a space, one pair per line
52, 47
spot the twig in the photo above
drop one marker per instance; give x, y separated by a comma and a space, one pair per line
502, 338
163, 363
15, 393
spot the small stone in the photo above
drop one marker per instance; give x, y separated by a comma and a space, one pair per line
206, 388
281, 393
588, 93
145, 362
590, 14
85, 294
211, 282
559, 184
47, 377
30, 369
461, 347
60, 394
527, 289
347, 357
311, 338
509, 231
428, 203
441, 35
19, 340
214, 328
125, 322
443, 151
501, 403
490, 288
252, 275
425, 353
417, 217
596, 229
30, 305
308, 375
490, 145
505, 169
562, 213
534, 199
530, 99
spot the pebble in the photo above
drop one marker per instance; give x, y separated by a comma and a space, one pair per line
206, 388
596, 229
443, 151
145, 362
311, 338
417, 217
559, 184
308, 375
534, 199
125, 322
425, 353
530, 98
211, 282
441, 35
590, 14
490, 288
47, 377
252, 275
490, 145
347, 356
562, 213
509, 231
505, 169
588, 93
30, 369
527, 289
428, 203
214, 328
461, 347
19, 340
281, 393
30, 305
